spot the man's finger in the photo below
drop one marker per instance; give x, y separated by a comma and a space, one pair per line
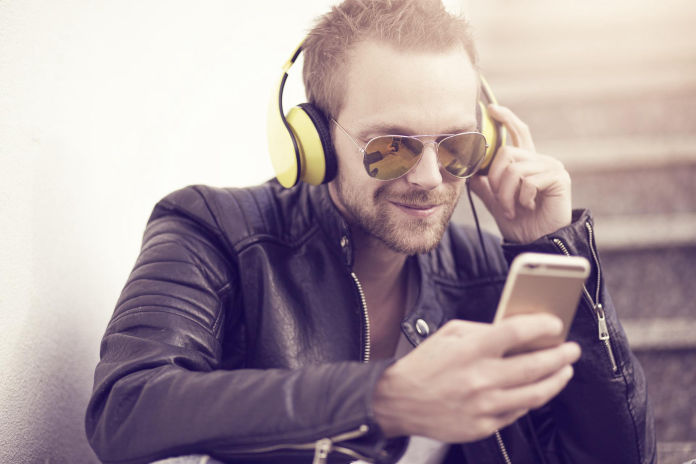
507, 156
527, 368
519, 330
520, 134
514, 186
533, 395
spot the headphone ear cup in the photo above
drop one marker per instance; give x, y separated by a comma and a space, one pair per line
494, 132
495, 137
317, 156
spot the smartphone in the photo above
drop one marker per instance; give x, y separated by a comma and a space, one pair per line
543, 283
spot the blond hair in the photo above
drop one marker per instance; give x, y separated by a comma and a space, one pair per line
422, 25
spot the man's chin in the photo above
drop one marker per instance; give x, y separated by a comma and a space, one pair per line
411, 247
413, 235
410, 239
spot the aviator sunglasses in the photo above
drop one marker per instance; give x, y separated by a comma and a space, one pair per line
388, 157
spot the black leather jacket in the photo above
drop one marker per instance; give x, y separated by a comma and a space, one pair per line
241, 333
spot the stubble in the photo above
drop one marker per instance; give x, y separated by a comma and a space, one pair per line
378, 218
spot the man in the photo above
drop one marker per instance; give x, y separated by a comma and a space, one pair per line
335, 322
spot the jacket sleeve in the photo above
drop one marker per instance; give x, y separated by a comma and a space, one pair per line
603, 415
160, 389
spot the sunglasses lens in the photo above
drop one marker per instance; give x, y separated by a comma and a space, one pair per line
390, 157
462, 153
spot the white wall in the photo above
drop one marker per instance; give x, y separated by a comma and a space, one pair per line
104, 108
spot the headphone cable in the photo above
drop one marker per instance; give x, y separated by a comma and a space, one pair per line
478, 227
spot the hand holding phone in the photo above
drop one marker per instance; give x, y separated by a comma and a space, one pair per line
539, 282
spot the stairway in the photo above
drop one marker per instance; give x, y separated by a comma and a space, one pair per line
611, 91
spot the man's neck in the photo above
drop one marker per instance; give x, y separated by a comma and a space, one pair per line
384, 278
374, 262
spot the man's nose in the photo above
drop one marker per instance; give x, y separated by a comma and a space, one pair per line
426, 174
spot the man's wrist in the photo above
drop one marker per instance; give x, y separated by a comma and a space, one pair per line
387, 403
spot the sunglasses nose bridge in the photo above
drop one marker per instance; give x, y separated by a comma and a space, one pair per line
424, 146
435, 147
420, 162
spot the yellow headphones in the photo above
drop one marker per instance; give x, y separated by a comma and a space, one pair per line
494, 132
300, 142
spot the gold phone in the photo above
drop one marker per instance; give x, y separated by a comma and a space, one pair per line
543, 283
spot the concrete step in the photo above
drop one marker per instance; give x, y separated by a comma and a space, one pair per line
652, 282
576, 116
568, 86
532, 52
587, 70
619, 236
542, 36
659, 334
614, 153
644, 232
624, 21
659, 180
671, 376
638, 190
676, 452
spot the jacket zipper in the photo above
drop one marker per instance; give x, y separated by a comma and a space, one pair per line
366, 319
603, 329
324, 446
501, 445
321, 447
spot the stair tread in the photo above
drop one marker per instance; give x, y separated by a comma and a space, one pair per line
676, 452
646, 231
670, 377
661, 333
549, 90
617, 152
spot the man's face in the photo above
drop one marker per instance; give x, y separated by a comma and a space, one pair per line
406, 93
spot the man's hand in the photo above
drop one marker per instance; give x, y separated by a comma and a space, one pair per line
527, 193
457, 386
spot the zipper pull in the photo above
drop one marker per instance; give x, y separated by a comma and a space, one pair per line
321, 451
602, 320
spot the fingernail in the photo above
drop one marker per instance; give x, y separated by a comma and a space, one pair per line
553, 324
557, 324
573, 350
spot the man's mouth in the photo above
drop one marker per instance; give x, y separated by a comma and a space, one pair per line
417, 209
416, 206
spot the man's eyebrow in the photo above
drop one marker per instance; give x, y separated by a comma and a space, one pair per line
469, 127
374, 130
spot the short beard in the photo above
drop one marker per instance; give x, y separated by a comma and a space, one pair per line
374, 219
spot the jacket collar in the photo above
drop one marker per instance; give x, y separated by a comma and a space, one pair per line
331, 221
